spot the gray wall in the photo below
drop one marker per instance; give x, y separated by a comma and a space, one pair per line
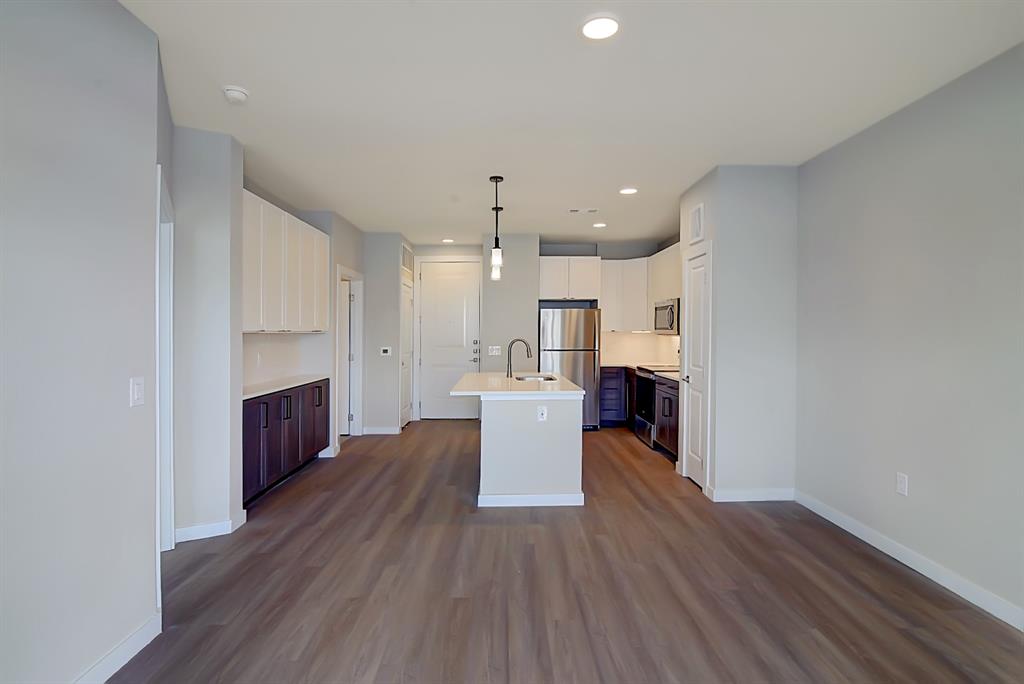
911, 316
608, 250
509, 307
207, 328
382, 254
164, 132
77, 305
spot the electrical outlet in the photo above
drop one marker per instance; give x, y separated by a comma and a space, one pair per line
385, 351
494, 350
542, 414
136, 391
902, 484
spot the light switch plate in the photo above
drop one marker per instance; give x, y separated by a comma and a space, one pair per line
902, 484
136, 391
494, 350
385, 351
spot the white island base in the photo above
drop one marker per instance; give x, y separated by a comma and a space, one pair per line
526, 461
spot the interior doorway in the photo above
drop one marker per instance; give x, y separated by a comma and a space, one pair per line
164, 389
695, 440
447, 334
348, 380
406, 356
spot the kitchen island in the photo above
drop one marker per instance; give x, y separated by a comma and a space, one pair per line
531, 439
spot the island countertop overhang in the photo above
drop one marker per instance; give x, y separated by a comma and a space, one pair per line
496, 386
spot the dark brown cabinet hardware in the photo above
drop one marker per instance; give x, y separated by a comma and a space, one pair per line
273, 444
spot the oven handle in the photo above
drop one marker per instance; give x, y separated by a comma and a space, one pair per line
644, 374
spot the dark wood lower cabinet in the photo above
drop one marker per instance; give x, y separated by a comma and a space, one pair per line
630, 397
666, 415
281, 432
613, 395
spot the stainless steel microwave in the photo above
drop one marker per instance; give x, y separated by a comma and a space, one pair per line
666, 317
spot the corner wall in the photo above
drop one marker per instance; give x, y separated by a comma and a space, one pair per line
382, 256
78, 135
910, 329
509, 306
207, 332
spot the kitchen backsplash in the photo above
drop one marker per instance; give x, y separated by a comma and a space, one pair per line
621, 348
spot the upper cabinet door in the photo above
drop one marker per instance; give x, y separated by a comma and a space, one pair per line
252, 249
294, 231
611, 299
635, 307
307, 278
272, 267
554, 277
322, 278
584, 277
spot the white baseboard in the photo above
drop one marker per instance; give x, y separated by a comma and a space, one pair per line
736, 495
105, 668
507, 500
983, 598
382, 430
328, 452
184, 534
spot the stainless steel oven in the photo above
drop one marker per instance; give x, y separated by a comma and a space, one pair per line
666, 317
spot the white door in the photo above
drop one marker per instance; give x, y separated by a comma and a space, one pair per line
449, 337
272, 267
696, 355
635, 311
610, 301
584, 277
252, 249
293, 233
342, 388
406, 356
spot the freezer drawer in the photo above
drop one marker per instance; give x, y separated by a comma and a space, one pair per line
580, 367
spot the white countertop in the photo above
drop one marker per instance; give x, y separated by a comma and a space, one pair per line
668, 375
497, 386
257, 389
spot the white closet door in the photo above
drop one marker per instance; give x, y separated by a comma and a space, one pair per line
322, 253
252, 248
272, 263
610, 301
294, 231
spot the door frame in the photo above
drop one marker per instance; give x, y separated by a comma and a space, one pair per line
708, 488
417, 356
355, 336
164, 383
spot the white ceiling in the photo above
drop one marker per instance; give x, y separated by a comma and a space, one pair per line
394, 114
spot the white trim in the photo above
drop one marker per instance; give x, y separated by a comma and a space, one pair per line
979, 596
355, 370
327, 452
417, 318
184, 534
693, 252
113, 661
732, 495
382, 430
519, 500
524, 396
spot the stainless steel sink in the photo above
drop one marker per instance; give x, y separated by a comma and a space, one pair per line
543, 377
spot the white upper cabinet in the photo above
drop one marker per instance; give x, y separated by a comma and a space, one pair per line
252, 249
665, 274
623, 299
554, 277
570, 277
584, 277
285, 271
610, 301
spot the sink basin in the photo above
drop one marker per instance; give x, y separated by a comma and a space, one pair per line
543, 377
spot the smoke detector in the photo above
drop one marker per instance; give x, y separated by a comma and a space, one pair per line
236, 94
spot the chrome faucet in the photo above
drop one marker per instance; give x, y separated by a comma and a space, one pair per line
529, 354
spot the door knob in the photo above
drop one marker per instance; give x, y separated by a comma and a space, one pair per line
686, 379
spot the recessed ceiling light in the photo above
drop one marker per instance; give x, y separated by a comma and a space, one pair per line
236, 94
600, 225
447, 241
600, 28
627, 191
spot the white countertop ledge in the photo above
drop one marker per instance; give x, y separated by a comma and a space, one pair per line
258, 389
495, 386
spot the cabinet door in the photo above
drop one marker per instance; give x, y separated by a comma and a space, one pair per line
307, 422
272, 263
254, 419
554, 277
291, 431
315, 419
307, 279
322, 314
635, 307
613, 395
611, 299
666, 419
584, 277
293, 229
630, 396
252, 248
322, 404
273, 456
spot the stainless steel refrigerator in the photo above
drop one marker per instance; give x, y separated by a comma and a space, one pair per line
570, 342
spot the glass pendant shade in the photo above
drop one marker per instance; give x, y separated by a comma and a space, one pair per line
496, 257
495, 272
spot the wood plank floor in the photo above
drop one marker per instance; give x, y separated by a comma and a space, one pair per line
377, 567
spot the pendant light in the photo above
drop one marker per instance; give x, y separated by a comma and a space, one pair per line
496, 261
